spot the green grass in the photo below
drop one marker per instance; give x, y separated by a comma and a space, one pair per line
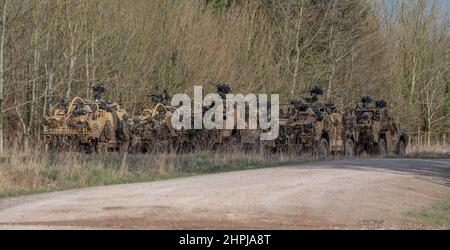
437, 215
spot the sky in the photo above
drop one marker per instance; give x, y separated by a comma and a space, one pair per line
446, 5
392, 4
445, 2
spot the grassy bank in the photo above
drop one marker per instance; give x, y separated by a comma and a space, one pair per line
35, 172
26, 173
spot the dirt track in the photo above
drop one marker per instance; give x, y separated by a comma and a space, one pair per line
360, 193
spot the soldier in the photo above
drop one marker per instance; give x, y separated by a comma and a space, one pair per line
89, 115
312, 117
99, 91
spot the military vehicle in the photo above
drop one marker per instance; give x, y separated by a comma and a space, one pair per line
92, 125
203, 139
151, 130
225, 136
376, 131
309, 126
250, 139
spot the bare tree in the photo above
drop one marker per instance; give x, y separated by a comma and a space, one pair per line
2, 71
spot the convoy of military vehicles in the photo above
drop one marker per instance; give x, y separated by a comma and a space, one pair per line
306, 126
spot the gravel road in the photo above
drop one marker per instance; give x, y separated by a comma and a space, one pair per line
357, 193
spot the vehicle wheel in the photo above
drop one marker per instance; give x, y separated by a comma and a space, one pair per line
230, 142
125, 147
401, 149
382, 147
101, 148
89, 148
105, 134
125, 130
349, 148
323, 148
295, 149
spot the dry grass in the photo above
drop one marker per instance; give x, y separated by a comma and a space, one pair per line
38, 171
432, 151
24, 173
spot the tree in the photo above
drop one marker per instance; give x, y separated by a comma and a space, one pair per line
2, 70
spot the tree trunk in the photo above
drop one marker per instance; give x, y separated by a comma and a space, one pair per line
32, 99
419, 140
92, 60
413, 80
429, 133
297, 49
2, 74
48, 87
32, 90
332, 60
72, 60
88, 89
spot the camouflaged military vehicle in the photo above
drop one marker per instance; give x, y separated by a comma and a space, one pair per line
309, 126
151, 130
225, 136
207, 139
249, 139
92, 125
376, 131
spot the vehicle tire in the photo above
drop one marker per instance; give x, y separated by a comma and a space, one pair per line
101, 148
125, 130
401, 148
105, 134
349, 148
382, 147
323, 148
89, 148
